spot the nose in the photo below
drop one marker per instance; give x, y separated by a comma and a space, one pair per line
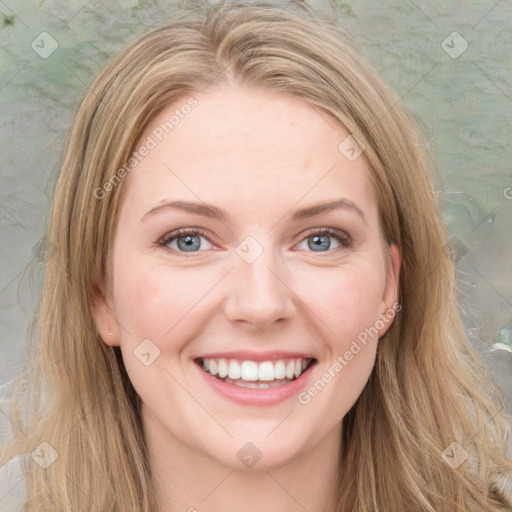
258, 296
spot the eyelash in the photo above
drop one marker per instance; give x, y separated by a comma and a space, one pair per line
344, 239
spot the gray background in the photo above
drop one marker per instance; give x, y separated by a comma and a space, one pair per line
463, 100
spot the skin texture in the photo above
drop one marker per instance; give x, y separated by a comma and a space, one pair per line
259, 156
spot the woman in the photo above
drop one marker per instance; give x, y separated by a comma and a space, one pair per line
250, 305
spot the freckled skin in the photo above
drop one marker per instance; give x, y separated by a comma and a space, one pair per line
259, 157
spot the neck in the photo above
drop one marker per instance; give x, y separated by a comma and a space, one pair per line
187, 480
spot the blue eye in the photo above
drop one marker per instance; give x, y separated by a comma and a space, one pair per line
193, 240
322, 241
186, 241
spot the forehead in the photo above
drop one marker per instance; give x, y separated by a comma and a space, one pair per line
246, 146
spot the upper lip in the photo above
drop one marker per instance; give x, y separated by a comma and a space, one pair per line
244, 355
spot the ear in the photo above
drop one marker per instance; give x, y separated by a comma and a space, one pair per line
390, 304
103, 315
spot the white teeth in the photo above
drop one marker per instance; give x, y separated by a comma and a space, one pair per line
249, 370
298, 368
234, 369
266, 371
290, 370
223, 368
257, 373
279, 370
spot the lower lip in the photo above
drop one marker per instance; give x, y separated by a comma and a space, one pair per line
262, 397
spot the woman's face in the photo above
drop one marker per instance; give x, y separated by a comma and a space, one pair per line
278, 264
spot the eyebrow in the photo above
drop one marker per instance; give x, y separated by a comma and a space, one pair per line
318, 209
210, 211
206, 210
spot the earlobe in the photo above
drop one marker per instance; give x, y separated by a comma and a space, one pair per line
390, 302
104, 318
395, 264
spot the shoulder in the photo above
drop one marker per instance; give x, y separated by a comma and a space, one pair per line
13, 490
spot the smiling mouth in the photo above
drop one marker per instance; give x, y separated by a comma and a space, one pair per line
255, 375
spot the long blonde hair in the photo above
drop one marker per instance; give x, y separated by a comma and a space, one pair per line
428, 386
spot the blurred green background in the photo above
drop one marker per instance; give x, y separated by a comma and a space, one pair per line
449, 62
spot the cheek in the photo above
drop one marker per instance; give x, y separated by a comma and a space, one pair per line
152, 300
346, 300
137, 300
